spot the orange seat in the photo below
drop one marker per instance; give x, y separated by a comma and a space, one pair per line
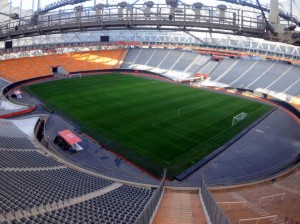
31, 67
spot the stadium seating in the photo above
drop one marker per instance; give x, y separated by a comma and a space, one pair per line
250, 78
122, 205
272, 198
30, 179
11, 137
15, 143
43, 187
34, 185
275, 78
221, 68
9, 129
30, 67
235, 72
24, 159
209, 67
273, 73
266, 76
289, 83
174, 64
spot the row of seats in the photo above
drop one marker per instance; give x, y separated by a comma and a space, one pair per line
24, 190
120, 206
208, 67
175, 64
266, 76
23, 159
27, 189
31, 67
275, 78
15, 143
8, 129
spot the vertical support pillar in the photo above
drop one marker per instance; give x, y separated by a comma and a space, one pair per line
242, 19
222, 8
78, 13
234, 19
211, 15
273, 16
147, 11
291, 8
121, 8
10, 6
20, 9
32, 7
197, 8
99, 11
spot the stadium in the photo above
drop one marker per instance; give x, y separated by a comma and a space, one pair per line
165, 111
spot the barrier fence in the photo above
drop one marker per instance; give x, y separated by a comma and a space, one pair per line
270, 218
148, 212
214, 211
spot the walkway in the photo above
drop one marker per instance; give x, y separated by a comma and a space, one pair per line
180, 207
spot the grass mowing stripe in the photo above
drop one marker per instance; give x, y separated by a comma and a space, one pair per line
152, 123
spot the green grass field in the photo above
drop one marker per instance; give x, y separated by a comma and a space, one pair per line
154, 124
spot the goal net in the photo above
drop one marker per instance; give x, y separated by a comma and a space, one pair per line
77, 75
236, 119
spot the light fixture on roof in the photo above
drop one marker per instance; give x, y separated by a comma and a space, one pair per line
122, 6
222, 8
148, 5
99, 10
197, 6
78, 8
173, 4
78, 11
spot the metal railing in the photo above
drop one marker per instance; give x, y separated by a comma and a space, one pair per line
256, 220
234, 21
270, 198
147, 214
234, 203
215, 213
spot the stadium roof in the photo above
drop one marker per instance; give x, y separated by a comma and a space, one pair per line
25, 8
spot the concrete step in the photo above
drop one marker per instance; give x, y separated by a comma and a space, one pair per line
179, 207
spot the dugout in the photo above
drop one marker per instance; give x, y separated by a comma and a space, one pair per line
67, 140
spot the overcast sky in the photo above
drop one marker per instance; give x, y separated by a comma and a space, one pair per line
91, 2
27, 4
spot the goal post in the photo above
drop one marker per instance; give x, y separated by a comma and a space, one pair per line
238, 118
75, 75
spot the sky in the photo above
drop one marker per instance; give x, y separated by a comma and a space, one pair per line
29, 4
92, 2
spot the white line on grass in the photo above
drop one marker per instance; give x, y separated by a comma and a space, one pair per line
196, 147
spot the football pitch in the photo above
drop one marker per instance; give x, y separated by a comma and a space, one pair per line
154, 124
